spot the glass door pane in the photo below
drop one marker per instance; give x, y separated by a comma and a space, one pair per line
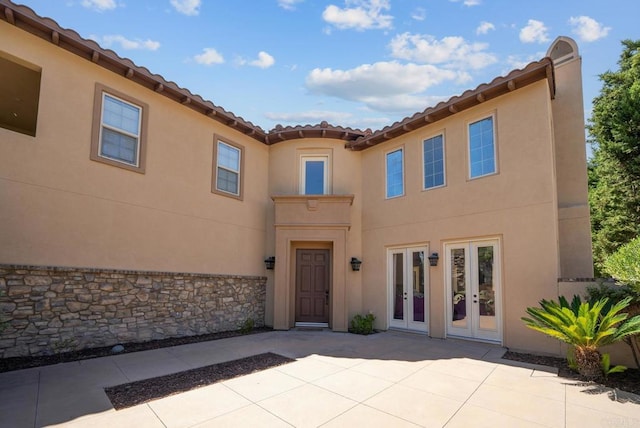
459, 290
486, 290
398, 286
418, 291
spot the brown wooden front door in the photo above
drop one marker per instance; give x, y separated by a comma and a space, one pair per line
312, 286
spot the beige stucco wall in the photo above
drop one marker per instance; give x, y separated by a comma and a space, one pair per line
60, 208
571, 170
517, 205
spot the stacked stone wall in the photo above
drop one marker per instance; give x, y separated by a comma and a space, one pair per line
46, 310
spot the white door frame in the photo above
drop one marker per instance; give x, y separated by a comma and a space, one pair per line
409, 276
474, 314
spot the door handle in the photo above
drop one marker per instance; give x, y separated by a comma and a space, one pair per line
326, 297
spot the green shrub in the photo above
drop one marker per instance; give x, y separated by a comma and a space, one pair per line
247, 326
362, 324
586, 326
624, 264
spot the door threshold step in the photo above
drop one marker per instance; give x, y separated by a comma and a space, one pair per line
312, 324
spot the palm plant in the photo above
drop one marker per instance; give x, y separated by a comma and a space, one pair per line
586, 326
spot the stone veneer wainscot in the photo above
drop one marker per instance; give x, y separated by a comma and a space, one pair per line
52, 309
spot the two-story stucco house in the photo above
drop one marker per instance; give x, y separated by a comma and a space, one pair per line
127, 203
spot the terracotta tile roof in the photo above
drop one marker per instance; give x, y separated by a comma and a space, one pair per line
26, 19
321, 130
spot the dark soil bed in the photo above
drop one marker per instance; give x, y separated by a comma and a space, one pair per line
629, 380
134, 393
18, 363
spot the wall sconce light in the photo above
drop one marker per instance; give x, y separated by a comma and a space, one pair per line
355, 264
433, 259
270, 262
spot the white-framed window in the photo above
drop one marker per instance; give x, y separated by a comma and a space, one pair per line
228, 169
394, 169
482, 148
120, 135
433, 162
314, 175
119, 130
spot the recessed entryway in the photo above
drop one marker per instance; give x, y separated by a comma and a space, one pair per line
473, 292
408, 288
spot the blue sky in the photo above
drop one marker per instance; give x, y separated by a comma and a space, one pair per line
358, 63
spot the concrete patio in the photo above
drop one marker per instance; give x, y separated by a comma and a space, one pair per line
389, 379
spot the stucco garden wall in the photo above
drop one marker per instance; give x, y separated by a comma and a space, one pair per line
48, 310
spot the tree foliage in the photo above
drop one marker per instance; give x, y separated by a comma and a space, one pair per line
624, 264
614, 171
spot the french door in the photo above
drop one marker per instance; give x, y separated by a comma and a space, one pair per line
474, 290
408, 288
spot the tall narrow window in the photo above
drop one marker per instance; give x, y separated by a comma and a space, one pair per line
395, 173
228, 169
119, 130
433, 156
313, 175
482, 153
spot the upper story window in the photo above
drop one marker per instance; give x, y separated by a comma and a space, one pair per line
433, 157
20, 89
395, 173
119, 130
314, 175
482, 148
228, 160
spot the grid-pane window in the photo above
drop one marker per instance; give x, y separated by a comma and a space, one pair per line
120, 130
482, 154
433, 156
395, 174
120, 134
228, 169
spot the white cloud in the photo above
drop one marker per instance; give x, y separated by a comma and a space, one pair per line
310, 117
521, 61
452, 51
383, 86
288, 4
588, 29
209, 56
485, 27
264, 60
109, 40
468, 2
535, 31
419, 14
99, 5
359, 15
187, 7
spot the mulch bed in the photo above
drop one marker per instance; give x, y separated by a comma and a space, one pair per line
143, 391
629, 380
18, 363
